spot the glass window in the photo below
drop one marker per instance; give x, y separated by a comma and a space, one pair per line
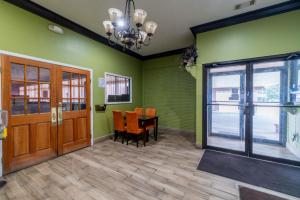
31, 73
44, 105
17, 72
44, 75
29, 94
17, 106
75, 79
117, 89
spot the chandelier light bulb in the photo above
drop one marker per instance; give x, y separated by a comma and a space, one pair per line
139, 17
108, 27
120, 23
115, 15
150, 28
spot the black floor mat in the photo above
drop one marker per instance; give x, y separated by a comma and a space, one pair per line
250, 194
273, 176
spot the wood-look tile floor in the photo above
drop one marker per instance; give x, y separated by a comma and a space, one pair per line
162, 170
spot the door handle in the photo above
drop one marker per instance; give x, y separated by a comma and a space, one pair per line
59, 110
53, 116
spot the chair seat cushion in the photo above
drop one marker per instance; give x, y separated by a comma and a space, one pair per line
139, 131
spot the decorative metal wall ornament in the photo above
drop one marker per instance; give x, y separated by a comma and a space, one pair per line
189, 57
127, 28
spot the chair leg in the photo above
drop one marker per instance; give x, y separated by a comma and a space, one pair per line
137, 140
116, 135
144, 139
123, 137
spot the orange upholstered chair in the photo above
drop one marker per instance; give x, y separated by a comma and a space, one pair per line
119, 125
150, 112
133, 128
139, 111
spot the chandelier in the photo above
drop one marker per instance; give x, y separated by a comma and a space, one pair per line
127, 28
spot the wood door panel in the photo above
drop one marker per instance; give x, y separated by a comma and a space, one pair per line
68, 130
20, 140
74, 133
31, 137
43, 136
81, 128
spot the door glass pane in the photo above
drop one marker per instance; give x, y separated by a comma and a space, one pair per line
17, 89
226, 120
275, 128
82, 104
44, 105
32, 106
75, 91
266, 124
44, 75
45, 90
75, 79
66, 77
82, 79
225, 117
82, 92
66, 91
32, 90
266, 87
66, 104
31, 73
226, 88
298, 94
75, 104
17, 106
17, 72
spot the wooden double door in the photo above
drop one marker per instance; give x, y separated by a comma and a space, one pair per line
49, 111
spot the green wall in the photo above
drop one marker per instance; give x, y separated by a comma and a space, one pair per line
268, 36
25, 33
171, 90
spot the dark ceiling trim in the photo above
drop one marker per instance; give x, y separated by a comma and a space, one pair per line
58, 19
163, 54
249, 16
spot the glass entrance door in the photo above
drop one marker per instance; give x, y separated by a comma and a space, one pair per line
225, 103
254, 109
275, 131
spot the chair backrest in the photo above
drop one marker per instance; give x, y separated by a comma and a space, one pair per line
132, 121
139, 111
151, 112
118, 120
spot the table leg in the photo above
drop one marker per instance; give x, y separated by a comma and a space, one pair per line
156, 128
2, 182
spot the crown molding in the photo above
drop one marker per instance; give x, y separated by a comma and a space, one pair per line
249, 16
163, 54
60, 20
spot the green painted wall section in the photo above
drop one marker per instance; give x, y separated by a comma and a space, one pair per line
25, 33
268, 36
171, 90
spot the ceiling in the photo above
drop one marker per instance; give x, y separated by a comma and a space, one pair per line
174, 17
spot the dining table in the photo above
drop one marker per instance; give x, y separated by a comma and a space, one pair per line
145, 120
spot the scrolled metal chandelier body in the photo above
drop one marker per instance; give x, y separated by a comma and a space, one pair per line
127, 28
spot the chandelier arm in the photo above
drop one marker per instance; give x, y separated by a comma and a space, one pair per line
147, 43
111, 42
116, 35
